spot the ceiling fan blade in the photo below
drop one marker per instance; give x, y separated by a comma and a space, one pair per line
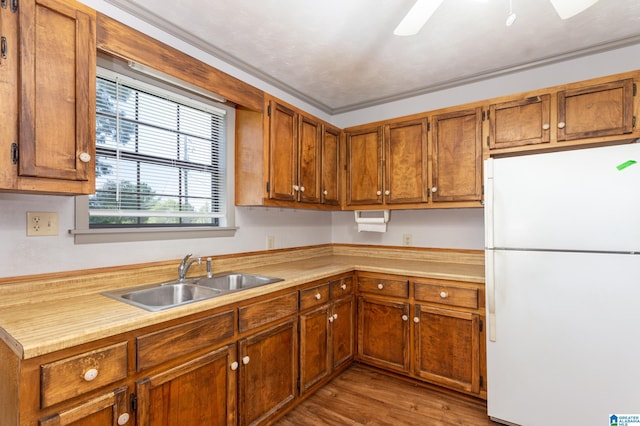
568, 8
415, 19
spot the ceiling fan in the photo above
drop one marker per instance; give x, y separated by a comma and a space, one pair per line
422, 10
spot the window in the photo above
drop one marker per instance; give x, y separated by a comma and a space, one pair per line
161, 161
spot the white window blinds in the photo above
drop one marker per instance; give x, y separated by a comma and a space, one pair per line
160, 157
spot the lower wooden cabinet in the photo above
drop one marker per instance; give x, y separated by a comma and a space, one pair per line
107, 409
268, 372
201, 391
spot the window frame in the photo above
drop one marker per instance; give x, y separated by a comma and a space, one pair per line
83, 234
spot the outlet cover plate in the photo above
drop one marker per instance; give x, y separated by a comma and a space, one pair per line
42, 224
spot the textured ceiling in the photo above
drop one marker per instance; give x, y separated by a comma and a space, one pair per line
341, 55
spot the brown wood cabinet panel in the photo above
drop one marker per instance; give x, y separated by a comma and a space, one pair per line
383, 286
520, 122
268, 372
594, 111
169, 343
199, 392
341, 287
343, 331
260, 313
309, 160
330, 185
103, 410
57, 98
73, 376
314, 296
364, 167
383, 333
448, 347
445, 294
315, 347
457, 156
283, 152
406, 162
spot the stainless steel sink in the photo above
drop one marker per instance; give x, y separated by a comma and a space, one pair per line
161, 296
234, 281
155, 297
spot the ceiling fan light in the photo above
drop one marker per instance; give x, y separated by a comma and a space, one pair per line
569, 8
417, 16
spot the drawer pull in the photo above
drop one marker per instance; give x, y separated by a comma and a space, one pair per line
234, 365
246, 360
405, 318
335, 316
416, 319
331, 318
90, 374
443, 294
318, 296
123, 419
380, 286
343, 286
561, 125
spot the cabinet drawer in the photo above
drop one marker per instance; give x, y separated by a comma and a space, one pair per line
341, 287
260, 313
164, 345
69, 377
314, 296
465, 297
383, 286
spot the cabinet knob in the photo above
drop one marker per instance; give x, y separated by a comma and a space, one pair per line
561, 125
234, 365
416, 320
405, 318
123, 419
318, 296
302, 189
90, 374
343, 286
246, 360
331, 318
85, 157
443, 294
434, 189
545, 126
378, 192
387, 192
335, 316
296, 188
325, 192
380, 286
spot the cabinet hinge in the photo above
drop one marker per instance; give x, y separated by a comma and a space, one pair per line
298, 385
481, 381
4, 4
635, 89
3, 47
428, 126
633, 122
481, 326
268, 187
133, 400
14, 153
14, 6
484, 116
487, 141
269, 111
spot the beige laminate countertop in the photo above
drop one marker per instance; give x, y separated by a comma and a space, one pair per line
43, 326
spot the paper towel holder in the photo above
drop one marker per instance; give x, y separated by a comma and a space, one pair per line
376, 218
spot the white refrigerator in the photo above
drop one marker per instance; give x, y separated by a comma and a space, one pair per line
563, 286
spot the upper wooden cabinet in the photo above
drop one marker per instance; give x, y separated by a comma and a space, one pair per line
520, 122
51, 51
364, 167
286, 158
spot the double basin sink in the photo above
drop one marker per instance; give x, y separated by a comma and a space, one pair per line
156, 297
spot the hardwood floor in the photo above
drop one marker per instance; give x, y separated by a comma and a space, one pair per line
361, 396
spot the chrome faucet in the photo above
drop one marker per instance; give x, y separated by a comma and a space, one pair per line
184, 266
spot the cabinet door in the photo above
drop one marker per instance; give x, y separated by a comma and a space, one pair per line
57, 92
268, 372
330, 187
406, 162
283, 134
199, 392
315, 356
383, 333
447, 347
342, 331
594, 111
308, 184
520, 122
107, 409
364, 167
457, 156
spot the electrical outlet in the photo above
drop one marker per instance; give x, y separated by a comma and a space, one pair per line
407, 239
42, 224
271, 242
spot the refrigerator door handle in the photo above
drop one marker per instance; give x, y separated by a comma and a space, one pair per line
491, 293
